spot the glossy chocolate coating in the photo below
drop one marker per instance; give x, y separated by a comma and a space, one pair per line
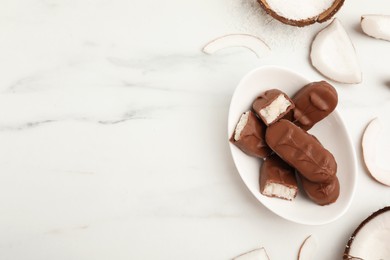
313, 102
266, 99
275, 170
322, 193
301, 150
252, 138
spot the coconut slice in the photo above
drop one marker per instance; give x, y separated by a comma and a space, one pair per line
253, 43
377, 26
371, 238
333, 54
257, 254
369, 143
301, 12
308, 249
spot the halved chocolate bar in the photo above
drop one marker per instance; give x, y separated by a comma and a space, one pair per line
301, 150
272, 105
277, 179
249, 136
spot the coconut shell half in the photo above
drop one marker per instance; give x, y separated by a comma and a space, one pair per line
319, 18
371, 238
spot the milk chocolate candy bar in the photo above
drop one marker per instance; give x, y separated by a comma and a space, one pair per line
272, 105
313, 102
249, 136
301, 150
322, 193
277, 179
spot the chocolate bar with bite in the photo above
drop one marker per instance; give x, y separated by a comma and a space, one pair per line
301, 150
313, 102
322, 193
277, 179
272, 105
249, 136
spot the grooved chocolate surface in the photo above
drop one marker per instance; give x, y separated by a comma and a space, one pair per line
322, 193
313, 103
301, 150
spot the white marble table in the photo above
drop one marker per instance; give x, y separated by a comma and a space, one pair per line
113, 129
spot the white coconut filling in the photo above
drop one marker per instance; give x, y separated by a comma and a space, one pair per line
299, 9
279, 190
276, 108
241, 125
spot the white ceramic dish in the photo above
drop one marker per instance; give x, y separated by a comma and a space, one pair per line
331, 131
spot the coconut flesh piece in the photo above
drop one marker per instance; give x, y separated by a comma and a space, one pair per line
371, 238
253, 43
257, 254
377, 26
308, 249
369, 143
333, 54
301, 12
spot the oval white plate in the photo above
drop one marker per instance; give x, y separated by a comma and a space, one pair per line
331, 131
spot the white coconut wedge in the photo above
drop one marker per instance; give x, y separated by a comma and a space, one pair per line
369, 144
301, 12
308, 249
257, 254
371, 238
333, 55
377, 26
251, 42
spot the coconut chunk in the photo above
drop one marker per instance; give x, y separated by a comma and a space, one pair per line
251, 42
377, 26
371, 238
333, 55
369, 143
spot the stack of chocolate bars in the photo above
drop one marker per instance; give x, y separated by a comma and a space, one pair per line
275, 130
